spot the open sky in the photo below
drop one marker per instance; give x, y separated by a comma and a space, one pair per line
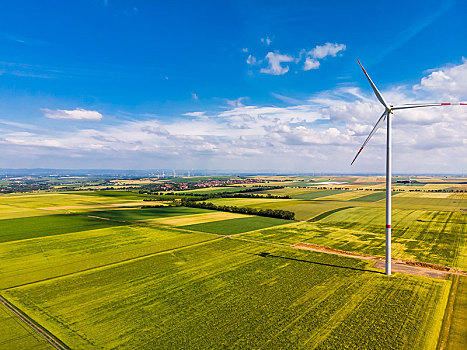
231, 85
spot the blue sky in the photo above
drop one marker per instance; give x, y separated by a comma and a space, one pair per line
263, 85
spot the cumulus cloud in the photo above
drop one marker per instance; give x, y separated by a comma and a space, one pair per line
251, 60
274, 67
327, 49
311, 63
447, 80
76, 114
322, 132
312, 58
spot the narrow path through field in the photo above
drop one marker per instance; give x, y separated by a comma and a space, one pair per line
57, 344
398, 265
410, 267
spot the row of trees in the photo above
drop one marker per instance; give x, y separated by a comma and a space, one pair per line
272, 213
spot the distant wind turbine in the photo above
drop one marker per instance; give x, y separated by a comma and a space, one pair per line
388, 110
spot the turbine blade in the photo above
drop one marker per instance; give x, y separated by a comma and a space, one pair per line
434, 104
375, 89
375, 128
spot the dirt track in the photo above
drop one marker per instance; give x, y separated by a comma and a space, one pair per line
398, 265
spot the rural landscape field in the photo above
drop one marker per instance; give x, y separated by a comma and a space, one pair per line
143, 268
236, 174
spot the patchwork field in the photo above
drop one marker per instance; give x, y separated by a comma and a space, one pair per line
239, 295
100, 276
237, 225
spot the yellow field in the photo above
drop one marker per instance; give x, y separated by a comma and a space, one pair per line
344, 196
196, 218
426, 195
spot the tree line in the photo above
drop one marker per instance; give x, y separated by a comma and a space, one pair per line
272, 213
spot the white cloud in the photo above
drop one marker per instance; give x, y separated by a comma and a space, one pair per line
194, 114
327, 49
275, 59
267, 40
319, 134
76, 114
251, 60
311, 63
312, 57
245, 49
156, 130
237, 102
450, 80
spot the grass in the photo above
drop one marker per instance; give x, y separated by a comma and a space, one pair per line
15, 335
240, 225
234, 294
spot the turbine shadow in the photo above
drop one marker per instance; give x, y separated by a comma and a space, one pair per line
269, 255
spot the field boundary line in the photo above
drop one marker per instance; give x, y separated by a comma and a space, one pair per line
121, 262
446, 325
44, 333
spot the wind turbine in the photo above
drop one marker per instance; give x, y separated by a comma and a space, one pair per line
388, 110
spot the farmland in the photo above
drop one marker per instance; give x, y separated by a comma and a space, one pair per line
168, 300
105, 269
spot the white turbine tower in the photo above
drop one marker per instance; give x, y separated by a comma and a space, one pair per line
388, 110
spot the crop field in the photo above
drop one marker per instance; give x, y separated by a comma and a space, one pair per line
15, 335
42, 258
303, 209
211, 190
197, 218
431, 236
239, 295
32, 227
316, 194
238, 225
373, 197
178, 277
25, 205
125, 215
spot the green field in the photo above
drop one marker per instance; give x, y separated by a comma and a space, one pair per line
233, 226
373, 197
238, 295
102, 277
39, 226
145, 213
16, 335
431, 236
316, 194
